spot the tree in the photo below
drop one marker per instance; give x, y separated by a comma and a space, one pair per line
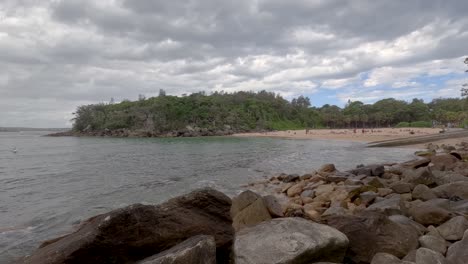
464, 89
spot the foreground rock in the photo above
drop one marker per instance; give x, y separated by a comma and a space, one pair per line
133, 233
371, 233
195, 250
288, 241
458, 253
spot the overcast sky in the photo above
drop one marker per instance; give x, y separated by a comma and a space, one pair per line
58, 54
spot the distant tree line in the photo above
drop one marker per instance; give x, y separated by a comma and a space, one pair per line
250, 111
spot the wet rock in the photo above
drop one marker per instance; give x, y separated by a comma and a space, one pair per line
337, 177
415, 164
454, 228
371, 233
195, 250
290, 178
288, 241
328, 168
133, 233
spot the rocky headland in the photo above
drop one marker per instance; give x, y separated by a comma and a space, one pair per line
188, 131
412, 212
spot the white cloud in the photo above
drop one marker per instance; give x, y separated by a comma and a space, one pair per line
64, 53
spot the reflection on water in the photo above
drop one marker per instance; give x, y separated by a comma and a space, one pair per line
50, 184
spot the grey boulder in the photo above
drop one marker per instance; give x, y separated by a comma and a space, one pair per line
288, 241
195, 250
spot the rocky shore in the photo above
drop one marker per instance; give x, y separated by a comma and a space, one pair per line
413, 212
186, 132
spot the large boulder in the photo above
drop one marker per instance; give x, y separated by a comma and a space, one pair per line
385, 258
435, 243
273, 206
428, 256
327, 168
427, 213
138, 231
288, 241
370, 170
419, 176
444, 162
415, 164
243, 200
253, 214
195, 250
452, 190
454, 228
423, 193
370, 233
457, 253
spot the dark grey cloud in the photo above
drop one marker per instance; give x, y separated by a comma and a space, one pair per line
82, 51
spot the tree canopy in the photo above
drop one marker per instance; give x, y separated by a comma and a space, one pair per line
250, 111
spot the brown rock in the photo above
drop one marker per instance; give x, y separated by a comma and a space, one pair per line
452, 190
457, 253
429, 214
415, 164
371, 233
195, 250
253, 214
296, 189
422, 192
243, 200
401, 187
327, 168
444, 162
454, 228
273, 206
133, 233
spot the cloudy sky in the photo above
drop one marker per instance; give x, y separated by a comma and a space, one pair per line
58, 54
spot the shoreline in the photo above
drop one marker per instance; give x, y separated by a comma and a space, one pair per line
401, 206
368, 136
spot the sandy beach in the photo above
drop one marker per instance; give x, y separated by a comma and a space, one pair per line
358, 135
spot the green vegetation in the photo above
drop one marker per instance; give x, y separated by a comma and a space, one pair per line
414, 124
249, 111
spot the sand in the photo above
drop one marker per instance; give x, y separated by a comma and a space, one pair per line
359, 136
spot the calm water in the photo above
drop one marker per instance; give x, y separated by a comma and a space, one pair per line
51, 184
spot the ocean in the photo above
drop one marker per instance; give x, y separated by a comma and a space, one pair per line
52, 183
